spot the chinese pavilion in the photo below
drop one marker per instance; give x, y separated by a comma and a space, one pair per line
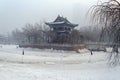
61, 28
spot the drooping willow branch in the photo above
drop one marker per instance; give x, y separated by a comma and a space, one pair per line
107, 15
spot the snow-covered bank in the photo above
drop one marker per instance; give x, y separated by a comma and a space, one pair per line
10, 53
54, 65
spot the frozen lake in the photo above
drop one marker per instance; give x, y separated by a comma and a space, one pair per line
51, 64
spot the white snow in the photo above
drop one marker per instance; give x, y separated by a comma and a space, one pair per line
51, 64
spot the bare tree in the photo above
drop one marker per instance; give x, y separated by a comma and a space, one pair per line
35, 33
31, 34
107, 15
90, 33
75, 37
18, 36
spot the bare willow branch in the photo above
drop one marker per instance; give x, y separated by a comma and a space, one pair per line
107, 15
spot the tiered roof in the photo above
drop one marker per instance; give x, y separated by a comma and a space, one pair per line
61, 21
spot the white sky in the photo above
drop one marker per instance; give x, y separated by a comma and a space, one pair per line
16, 13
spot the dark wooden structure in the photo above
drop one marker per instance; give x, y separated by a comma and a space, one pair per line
60, 30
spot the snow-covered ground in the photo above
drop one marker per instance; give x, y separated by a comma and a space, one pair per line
49, 64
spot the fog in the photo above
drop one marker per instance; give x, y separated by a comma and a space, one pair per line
16, 13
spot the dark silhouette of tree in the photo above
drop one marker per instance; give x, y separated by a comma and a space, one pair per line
90, 33
75, 37
31, 34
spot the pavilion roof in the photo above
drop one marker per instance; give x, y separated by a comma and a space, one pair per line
61, 20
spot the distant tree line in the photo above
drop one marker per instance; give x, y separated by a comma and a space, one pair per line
2, 39
30, 34
5, 39
41, 34
91, 33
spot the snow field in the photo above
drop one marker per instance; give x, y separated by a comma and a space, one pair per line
54, 65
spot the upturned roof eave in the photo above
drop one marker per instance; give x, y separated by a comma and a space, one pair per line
54, 23
60, 23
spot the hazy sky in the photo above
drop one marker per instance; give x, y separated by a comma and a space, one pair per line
16, 13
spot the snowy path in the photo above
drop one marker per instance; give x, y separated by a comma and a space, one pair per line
54, 65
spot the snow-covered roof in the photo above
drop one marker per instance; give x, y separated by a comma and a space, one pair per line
61, 20
56, 22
